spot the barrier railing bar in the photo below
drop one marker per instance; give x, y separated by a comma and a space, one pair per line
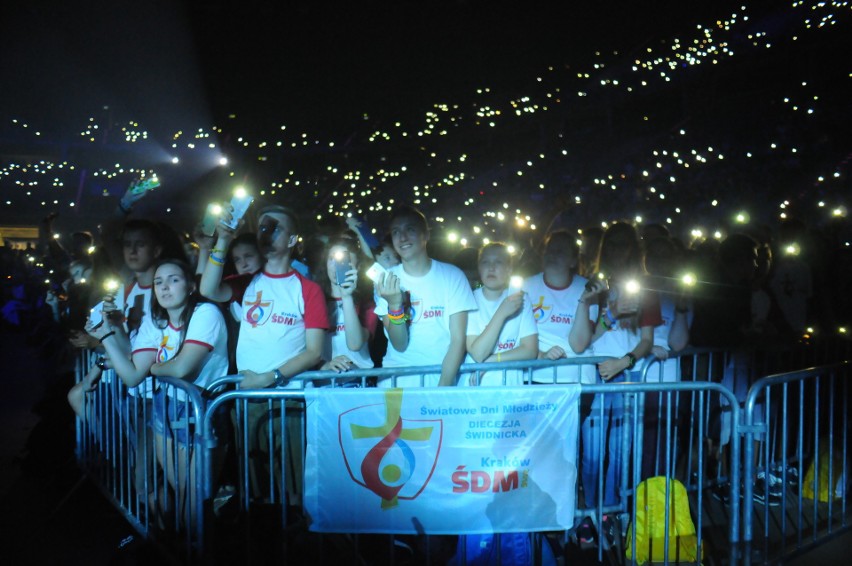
815, 517
831, 487
846, 470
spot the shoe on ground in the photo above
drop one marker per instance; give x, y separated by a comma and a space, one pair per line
778, 470
610, 532
586, 533
721, 493
770, 483
765, 498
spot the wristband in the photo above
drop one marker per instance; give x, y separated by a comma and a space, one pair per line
499, 355
218, 251
105, 336
398, 321
278, 378
122, 208
610, 318
215, 260
632, 359
607, 320
399, 312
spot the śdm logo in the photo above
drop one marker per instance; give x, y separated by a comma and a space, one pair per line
258, 311
394, 459
539, 308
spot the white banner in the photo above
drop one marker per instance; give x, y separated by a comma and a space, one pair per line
442, 460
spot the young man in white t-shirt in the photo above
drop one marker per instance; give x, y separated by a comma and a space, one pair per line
130, 305
564, 316
282, 330
423, 304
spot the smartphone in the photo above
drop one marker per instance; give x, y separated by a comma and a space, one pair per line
341, 266
240, 204
96, 316
376, 272
148, 184
111, 286
211, 218
594, 279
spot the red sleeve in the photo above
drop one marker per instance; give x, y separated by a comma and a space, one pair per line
316, 312
367, 316
651, 315
238, 285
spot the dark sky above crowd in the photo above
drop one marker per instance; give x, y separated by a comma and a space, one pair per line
304, 62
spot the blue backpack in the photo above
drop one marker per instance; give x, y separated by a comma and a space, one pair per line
516, 549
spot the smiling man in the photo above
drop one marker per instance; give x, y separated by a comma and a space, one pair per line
423, 305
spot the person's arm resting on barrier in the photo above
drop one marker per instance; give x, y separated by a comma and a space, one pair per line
307, 360
185, 365
527, 349
133, 370
611, 368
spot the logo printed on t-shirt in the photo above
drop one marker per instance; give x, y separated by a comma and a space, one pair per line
414, 310
258, 311
433, 312
163, 351
539, 308
561, 318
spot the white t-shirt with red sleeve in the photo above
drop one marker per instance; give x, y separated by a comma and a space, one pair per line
554, 311
206, 328
432, 300
276, 312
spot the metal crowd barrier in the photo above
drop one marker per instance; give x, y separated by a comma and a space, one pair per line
665, 423
700, 394
118, 447
796, 449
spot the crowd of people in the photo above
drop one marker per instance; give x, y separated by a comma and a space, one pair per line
269, 298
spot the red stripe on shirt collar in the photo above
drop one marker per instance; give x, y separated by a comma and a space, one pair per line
281, 275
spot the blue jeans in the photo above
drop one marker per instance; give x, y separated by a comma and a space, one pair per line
603, 432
